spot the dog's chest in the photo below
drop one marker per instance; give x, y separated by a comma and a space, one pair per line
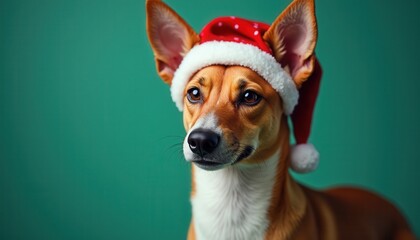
232, 203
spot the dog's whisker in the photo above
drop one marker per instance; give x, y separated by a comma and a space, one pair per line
171, 137
176, 145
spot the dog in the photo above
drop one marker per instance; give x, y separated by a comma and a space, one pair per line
237, 83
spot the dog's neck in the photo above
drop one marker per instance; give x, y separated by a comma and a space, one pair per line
243, 202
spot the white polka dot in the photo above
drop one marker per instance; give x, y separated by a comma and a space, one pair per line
236, 38
256, 25
236, 26
220, 24
256, 33
232, 17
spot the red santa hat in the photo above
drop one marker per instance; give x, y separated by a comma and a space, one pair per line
237, 41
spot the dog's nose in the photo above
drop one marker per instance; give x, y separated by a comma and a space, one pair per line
203, 141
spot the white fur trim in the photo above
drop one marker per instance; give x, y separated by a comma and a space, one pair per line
304, 158
231, 53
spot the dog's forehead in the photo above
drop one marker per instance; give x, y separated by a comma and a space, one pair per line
242, 77
209, 74
228, 77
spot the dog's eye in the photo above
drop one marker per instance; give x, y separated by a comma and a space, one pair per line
194, 95
250, 98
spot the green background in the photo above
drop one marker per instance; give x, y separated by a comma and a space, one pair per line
89, 137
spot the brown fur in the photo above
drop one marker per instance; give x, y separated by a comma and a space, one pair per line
295, 211
220, 87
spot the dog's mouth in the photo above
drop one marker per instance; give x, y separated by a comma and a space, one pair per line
244, 154
208, 165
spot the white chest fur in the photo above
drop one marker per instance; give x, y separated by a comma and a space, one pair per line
232, 203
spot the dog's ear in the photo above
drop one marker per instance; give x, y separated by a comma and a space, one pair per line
170, 36
292, 37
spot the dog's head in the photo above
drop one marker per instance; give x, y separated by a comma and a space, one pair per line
233, 114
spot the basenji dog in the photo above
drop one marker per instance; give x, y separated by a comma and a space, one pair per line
237, 83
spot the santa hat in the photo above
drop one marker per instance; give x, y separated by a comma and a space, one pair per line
236, 41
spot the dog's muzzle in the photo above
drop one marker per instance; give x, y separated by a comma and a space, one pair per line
203, 142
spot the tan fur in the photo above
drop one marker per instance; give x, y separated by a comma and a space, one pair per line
191, 232
220, 87
295, 212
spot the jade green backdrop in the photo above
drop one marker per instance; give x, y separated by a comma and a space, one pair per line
87, 129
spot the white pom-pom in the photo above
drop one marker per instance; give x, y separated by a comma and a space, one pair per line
304, 158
